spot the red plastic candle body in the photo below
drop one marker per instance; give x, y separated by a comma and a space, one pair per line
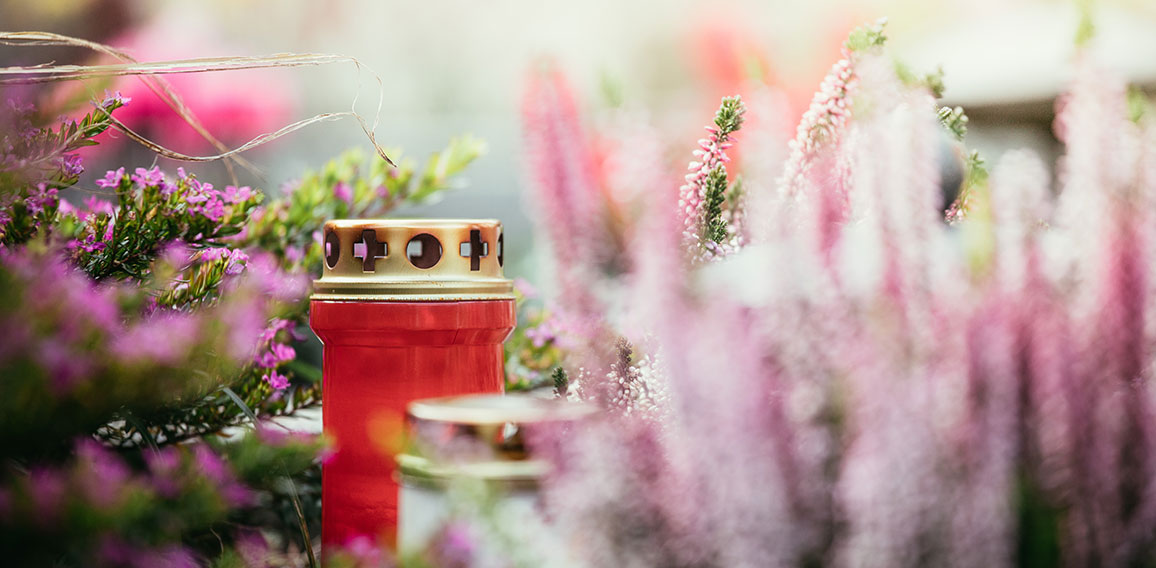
379, 357
406, 310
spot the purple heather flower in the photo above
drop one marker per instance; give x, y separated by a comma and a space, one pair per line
210, 465
276, 354
148, 178
114, 97
5, 504
162, 339
40, 199
90, 244
47, 490
294, 254
234, 194
64, 365
112, 179
364, 551
104, 474
343, 192
170, 556
237, 260
72, 165
175, 253
65, 207
524, 288
275, 325
213, 209
276, 380
99, 206
455, 545
541, 334
163, 466
214, 254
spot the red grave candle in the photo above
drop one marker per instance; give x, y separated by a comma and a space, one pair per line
406, 309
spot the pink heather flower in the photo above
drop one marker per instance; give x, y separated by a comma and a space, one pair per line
113, 97
72, 165
5, 503
148, 178
565, 185
294, 254
276, 325
364, 552
98, 206
234, 194
822, 124
525, 288
40, 199
274, 282
176, 253
276, 354
66, 208
710, 155
237, 260
64, 365
214, 253
541, 334
90, 244
104, 474
276, 380
112, 179
343, 192
47, 489
162, 339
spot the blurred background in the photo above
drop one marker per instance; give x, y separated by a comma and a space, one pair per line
452, 66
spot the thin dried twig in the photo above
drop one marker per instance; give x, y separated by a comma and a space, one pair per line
150, 73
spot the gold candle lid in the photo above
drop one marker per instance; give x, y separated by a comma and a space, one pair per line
484, 436
412, 260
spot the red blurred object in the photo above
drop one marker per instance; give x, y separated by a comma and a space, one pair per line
404, 324
379, 357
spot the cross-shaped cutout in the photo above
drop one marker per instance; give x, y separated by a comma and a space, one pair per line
476, 249
369, 250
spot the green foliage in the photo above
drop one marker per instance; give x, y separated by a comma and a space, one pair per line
561, 382
729, 117
715, 188
867, 37
1139, 105
954, 120
933, 81
1086, 27
532, 353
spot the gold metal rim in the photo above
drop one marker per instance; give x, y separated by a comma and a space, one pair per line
515, 471
413, 260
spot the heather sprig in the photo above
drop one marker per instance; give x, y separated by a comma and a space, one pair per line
825, 120
705, 230
954, 120
153, 211
31, 155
